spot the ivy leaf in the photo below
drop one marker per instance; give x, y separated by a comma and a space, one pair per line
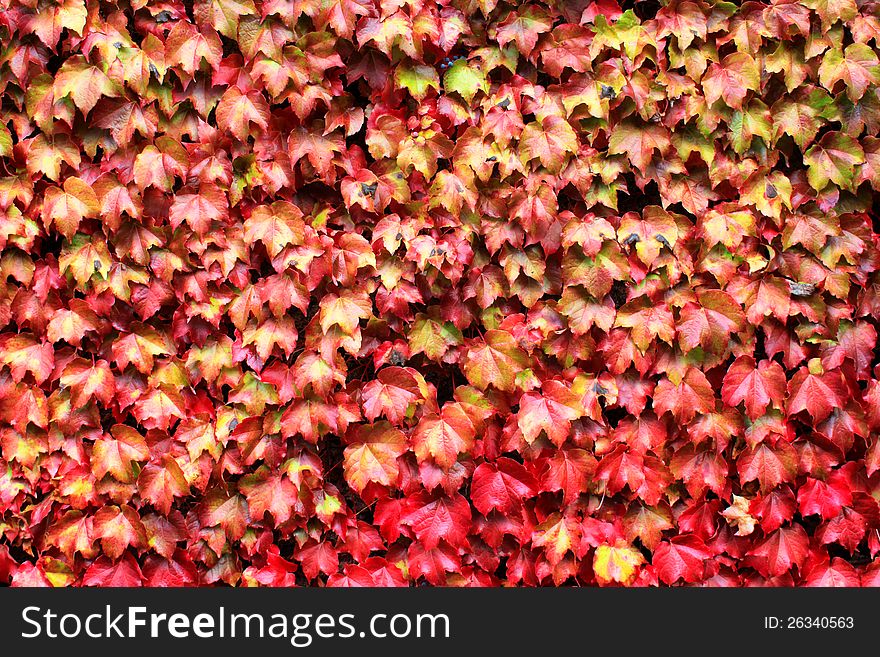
72, 324
645, 476
225, 15
23, 354
690, 396
770, 465
74, 533
221, 508
617, 563
186, 46
549, 142
855, 341
118, 528
801, 117
700, 470
319, 149
176, 571
443, 437
395, 394
647, 523
371, 455
557, 535
731, 79
436, 519
465, 80
51, 20
432, 336
5, 142
710, 322
276, 226
68, 207
825, 499
269, 334
682, 558
639, 142
833, 160
501, 486
123, 573
45, 155
88, 380
650, 233
84, 83
831, 11
757, 387
836, 573
318, 557
816, 391
432, 563
140, 347
345, 310
269, 492
161, 164
551, 412
750, 122
120, 455
857, 66
161, 481
200, 209
159, 407
416, 79
237, 111
646, 322
597, 274
495, 361
522, 27
784, 549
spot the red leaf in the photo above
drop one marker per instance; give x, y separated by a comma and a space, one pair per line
681, 558
178, 570
393, 394
782, 550
817, 393
160, 482
692, 395
756, 387
443, 437
432, 563
433, 519
318, 557
501, 486
836, 573
551, 412
269, 492
769, 465
823, 498
372, 455
122, 573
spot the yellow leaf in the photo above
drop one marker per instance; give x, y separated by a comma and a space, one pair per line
616, 563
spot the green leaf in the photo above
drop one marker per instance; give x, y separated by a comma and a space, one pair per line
857, 67
416, 78
802, 116
5, 141
754, 121
833, 159
465, 80
433, 337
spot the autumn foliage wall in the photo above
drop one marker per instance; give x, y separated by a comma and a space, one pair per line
469, 292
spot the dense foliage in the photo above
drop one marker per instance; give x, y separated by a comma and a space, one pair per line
463, 292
